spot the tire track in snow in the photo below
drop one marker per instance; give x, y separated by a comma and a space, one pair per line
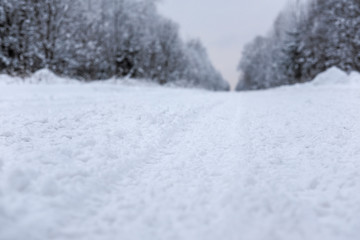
278, 164
107, 184
180, 188
58, 163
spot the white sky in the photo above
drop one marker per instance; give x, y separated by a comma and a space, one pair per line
224, 26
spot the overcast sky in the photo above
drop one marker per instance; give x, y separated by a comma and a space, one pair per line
224, 26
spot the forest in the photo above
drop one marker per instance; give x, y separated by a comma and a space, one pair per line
95, 40
307, 38
113, 126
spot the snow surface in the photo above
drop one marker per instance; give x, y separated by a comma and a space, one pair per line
43, 76
104, 162
335, 76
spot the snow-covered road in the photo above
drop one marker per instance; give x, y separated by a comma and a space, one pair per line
105, 162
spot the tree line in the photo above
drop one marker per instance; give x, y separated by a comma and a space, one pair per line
306, 39
100, 39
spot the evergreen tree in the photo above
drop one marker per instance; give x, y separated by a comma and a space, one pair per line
305, 41
91, 40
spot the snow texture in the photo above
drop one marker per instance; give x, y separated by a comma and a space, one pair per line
43, 76
102, 162
335, 76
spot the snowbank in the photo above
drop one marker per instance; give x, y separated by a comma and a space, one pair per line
6, 79
335, 76
47, 77
42, 76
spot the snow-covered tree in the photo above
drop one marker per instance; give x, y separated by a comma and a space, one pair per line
306, 39
91, 39
200, 68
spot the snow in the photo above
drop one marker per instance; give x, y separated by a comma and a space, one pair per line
42, 76
107, 161
46, 76
335, 76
